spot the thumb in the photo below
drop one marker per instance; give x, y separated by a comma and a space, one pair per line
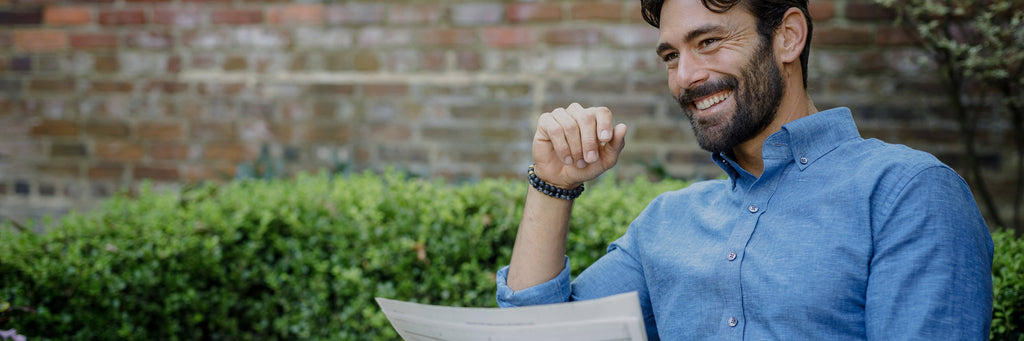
615, 146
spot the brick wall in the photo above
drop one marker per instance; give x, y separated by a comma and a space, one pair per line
97, 96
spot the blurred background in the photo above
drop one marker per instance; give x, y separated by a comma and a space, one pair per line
97, 97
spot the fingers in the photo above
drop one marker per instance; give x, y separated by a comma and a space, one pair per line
578, 135
550, 130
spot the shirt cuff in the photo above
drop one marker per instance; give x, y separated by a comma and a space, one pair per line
556, 290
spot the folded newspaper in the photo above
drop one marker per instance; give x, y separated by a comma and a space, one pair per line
611, 318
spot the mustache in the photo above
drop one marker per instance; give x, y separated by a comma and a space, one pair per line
707, 88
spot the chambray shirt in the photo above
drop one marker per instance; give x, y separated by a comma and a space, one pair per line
841, 238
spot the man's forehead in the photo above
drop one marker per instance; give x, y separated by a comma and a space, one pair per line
683, 18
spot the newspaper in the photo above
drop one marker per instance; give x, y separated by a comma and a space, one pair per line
611, 318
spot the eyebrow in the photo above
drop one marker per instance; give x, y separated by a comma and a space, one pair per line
690, 36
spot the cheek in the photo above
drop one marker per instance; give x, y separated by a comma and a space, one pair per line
673, 86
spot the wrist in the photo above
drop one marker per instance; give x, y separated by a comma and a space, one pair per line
551, 190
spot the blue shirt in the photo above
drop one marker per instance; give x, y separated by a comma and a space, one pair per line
841, 238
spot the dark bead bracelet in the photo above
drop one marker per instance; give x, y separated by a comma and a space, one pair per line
551, 190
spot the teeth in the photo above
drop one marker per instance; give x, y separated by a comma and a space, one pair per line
708, 102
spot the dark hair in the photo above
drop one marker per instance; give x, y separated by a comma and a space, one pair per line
768, 13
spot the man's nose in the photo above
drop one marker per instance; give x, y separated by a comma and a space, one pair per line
691, 71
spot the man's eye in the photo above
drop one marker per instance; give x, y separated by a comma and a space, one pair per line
668, 57
708, 42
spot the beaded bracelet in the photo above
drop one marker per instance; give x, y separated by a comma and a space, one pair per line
551, 190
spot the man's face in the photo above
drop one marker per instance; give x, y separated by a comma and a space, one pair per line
722, 72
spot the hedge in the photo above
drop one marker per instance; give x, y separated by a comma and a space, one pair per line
303, 258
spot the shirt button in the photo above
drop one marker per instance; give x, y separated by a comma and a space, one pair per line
733, 322
731, 256
803, 161
752, 208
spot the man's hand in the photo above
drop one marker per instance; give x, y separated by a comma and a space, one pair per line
574, 145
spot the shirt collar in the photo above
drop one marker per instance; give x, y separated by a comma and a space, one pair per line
809, 138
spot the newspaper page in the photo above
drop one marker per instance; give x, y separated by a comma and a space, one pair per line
611, 318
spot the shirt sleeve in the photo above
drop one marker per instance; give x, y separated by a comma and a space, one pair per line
930, 273
617, 271
556, 290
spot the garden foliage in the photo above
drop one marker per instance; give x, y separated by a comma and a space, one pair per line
303, 258
282, 259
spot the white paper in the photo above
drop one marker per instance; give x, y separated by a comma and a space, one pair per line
611, 318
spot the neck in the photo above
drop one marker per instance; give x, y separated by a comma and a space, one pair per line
796, 103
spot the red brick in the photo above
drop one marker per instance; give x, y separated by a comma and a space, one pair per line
112, 86
469, 61
67, 15
157, 173
532, 12
236, 16
93, 41
573, 36
40, 40
149, 40
597, 11
388, 132
106, 129
178, 17
868, 11
509, 37
168, 151
297, 14
106, 171
118, 151
842, 36
414, 14
236, 63
365, 61
447, 37
122, 17
51, 85
821, 10
476, 13
55, 128
895, 36
214, 131
321, 133
226, 152
385, 89
174, 64
167, 87
356, 13
106, 64
151, 131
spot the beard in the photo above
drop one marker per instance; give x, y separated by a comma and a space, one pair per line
757, 102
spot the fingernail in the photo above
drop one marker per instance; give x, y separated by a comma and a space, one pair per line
592, 156
605, 135
581, 164
568, 160
603, 143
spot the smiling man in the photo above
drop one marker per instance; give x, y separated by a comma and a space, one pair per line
816, 234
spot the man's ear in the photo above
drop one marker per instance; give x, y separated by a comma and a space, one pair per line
791, 36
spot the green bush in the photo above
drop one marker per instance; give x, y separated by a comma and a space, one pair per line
1008, 287
303, 258
297, 259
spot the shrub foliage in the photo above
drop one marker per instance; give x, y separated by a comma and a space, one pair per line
303, 258
297, 259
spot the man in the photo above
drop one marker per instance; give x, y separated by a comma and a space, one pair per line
816, 234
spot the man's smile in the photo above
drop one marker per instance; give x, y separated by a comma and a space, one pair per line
707, 102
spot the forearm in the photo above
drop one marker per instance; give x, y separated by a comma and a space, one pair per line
539, 252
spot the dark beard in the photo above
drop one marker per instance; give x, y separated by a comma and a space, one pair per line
756, 103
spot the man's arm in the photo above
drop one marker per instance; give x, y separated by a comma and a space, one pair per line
931, 273
570, 146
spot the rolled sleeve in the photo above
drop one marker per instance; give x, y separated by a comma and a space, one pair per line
556, 290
